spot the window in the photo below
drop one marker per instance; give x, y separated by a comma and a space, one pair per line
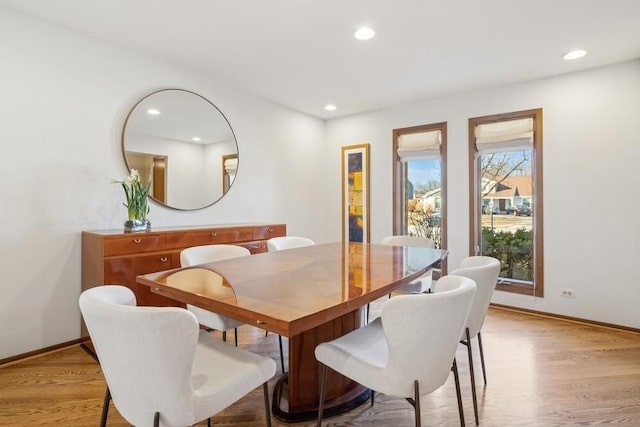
419, 187
505, 160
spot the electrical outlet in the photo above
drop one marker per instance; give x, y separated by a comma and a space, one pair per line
565, 292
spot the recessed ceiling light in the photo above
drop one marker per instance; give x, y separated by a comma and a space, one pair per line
330, 107
153, 112
196, 139
574, 54
364, 33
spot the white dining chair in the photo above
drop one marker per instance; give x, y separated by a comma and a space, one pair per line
407, 352
288, 242
160, 368
484, 271
280, 244
423, 283
197, 255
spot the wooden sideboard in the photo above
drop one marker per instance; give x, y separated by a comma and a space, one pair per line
112, 257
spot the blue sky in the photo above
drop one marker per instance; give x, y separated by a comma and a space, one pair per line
423, 171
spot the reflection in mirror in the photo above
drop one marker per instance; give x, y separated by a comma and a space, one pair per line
229, 168
183, 145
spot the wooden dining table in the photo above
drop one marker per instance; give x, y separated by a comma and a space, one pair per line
310, 295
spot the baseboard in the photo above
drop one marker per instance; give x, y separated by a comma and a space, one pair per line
40, 352
567, 318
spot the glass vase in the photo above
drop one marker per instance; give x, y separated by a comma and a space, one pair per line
134, 225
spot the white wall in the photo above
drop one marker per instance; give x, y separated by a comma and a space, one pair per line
591, 177
63, 102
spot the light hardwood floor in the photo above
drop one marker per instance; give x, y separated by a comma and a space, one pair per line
541, 372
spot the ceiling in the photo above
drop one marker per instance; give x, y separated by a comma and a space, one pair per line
302, 53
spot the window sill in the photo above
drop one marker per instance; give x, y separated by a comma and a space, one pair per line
517, 288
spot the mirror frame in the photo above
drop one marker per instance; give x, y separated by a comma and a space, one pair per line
124, 150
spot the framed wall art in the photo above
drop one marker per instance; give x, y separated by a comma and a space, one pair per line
355, 193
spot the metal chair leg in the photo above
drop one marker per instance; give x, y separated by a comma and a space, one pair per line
472, 375
456, 378
156, 419
484, 372
235, 330
105, 408
323, 385
281, 353
267, 412
208, 422
416, 399
224, 336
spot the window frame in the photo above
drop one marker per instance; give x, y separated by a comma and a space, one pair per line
475, 227
400, 177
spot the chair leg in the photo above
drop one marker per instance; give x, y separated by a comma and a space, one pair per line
373, 394
472, 375
267, 412
105, 408
235, 331
416, 399
323, 384
484, 372
224, 336
456, 378
208, 422
281, 353
156, 420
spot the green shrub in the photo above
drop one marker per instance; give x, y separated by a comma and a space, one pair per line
513, 249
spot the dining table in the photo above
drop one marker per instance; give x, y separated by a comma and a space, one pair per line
310, 295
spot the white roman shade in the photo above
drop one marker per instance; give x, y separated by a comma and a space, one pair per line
419, 146
509, 135
231, 165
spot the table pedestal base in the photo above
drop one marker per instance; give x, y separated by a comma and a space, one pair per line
296, 394
280, 405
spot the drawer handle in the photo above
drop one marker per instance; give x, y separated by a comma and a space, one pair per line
214, 234
270, 230
261, 322
137, 240
164, 259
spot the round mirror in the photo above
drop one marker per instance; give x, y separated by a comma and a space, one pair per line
183, 146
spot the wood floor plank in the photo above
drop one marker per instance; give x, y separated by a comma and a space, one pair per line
541, 372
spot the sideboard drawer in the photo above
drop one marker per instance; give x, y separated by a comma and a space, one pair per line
187, 239
158, 262
123, 270
268, 231
133, 244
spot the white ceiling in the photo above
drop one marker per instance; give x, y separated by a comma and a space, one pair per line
302, 53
